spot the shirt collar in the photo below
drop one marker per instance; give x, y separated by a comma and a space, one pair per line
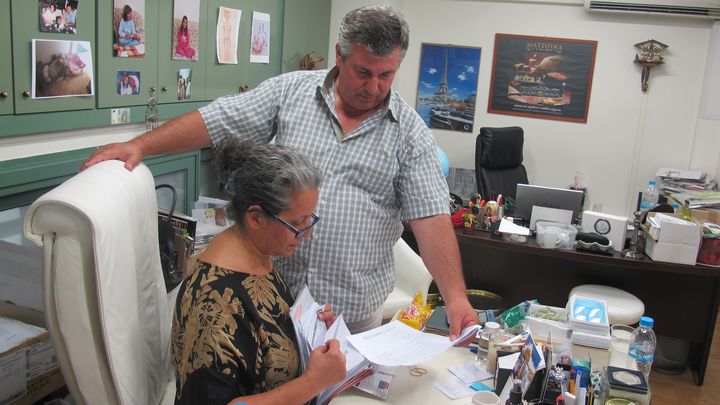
391, 107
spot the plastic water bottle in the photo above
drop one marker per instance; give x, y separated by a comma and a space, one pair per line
649, 197
642, 346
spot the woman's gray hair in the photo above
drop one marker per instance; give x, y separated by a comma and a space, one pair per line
261, 174
380, 28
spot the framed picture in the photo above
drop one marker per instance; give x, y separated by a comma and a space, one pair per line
542, 77
129, 28
447, 86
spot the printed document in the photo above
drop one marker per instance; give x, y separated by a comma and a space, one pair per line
397, 344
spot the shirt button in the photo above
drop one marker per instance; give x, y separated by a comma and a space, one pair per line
322, 203
311, 270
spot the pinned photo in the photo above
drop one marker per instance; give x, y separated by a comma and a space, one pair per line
185, 33
58, 16
227, 35
260, 40
183, 86
128, 83
129, 28
61, 68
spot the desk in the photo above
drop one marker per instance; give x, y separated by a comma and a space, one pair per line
406, 389
682, 299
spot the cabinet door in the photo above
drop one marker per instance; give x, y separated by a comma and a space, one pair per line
109, 64
192, 89
6, 85
26, 27
227, 79
306, 29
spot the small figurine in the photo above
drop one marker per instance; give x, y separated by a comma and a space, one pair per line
151, 113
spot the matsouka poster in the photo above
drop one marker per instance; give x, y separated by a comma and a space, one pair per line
542, 77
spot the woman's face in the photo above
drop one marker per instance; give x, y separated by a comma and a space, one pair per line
184, 23
280, 240
129, 16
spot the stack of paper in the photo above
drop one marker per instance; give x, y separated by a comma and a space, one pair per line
312, 333
685, 181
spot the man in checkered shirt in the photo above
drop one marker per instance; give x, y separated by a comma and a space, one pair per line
378, 159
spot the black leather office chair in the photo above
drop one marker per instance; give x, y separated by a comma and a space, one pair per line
498, 162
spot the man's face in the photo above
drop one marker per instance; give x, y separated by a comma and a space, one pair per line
365, 79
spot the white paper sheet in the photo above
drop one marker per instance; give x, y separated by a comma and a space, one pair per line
453, 388
397, 344
470, 372
509, 227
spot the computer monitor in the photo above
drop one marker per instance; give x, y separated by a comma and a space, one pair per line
529, 195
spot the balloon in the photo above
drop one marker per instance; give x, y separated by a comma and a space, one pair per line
444, 162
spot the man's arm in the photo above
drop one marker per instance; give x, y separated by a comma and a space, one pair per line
439, 251
182, 134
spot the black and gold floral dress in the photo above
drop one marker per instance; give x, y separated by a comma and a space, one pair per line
232, 335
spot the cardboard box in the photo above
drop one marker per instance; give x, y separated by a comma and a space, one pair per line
28, 370
673, 242
613, 227
706, 215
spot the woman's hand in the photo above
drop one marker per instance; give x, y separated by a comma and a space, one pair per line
327, 316
326, 366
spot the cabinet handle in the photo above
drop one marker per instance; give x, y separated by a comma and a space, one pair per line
3, 94
26, 94
243, 88
163, 88
152, 89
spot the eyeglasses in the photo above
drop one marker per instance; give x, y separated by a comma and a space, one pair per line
299, 233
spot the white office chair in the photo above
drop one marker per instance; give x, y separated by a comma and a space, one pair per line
411, 277
105, 303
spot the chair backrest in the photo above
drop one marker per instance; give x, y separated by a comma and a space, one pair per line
105, 303
498, 161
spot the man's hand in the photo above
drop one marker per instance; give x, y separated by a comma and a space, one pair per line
327, 316
461, 315
127, 152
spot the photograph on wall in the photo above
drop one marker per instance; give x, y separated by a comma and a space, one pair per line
58, 16
186, 28
447, 86
183, 86
226, 36
129, 28
260, 38
128, 83
61, 68
542, 77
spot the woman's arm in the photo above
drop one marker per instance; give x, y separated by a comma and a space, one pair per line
326, 367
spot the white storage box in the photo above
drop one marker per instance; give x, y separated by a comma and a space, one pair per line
555, 235
612, 227
672, 239
541, 327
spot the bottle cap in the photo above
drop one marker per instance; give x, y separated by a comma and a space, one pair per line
652, 182
646, 321
492, 326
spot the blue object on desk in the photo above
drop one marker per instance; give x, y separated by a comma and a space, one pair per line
478, 386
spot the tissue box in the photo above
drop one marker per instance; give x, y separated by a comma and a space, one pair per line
675, 240
612, 227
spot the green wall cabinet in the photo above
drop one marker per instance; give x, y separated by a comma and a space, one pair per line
6, 85
306, 29
223, 79
25, 28
109, 65
168, 68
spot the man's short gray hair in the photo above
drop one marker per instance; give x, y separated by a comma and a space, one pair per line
379, 28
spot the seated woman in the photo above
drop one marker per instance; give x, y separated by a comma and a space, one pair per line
232, 337
127, 34
183, 48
